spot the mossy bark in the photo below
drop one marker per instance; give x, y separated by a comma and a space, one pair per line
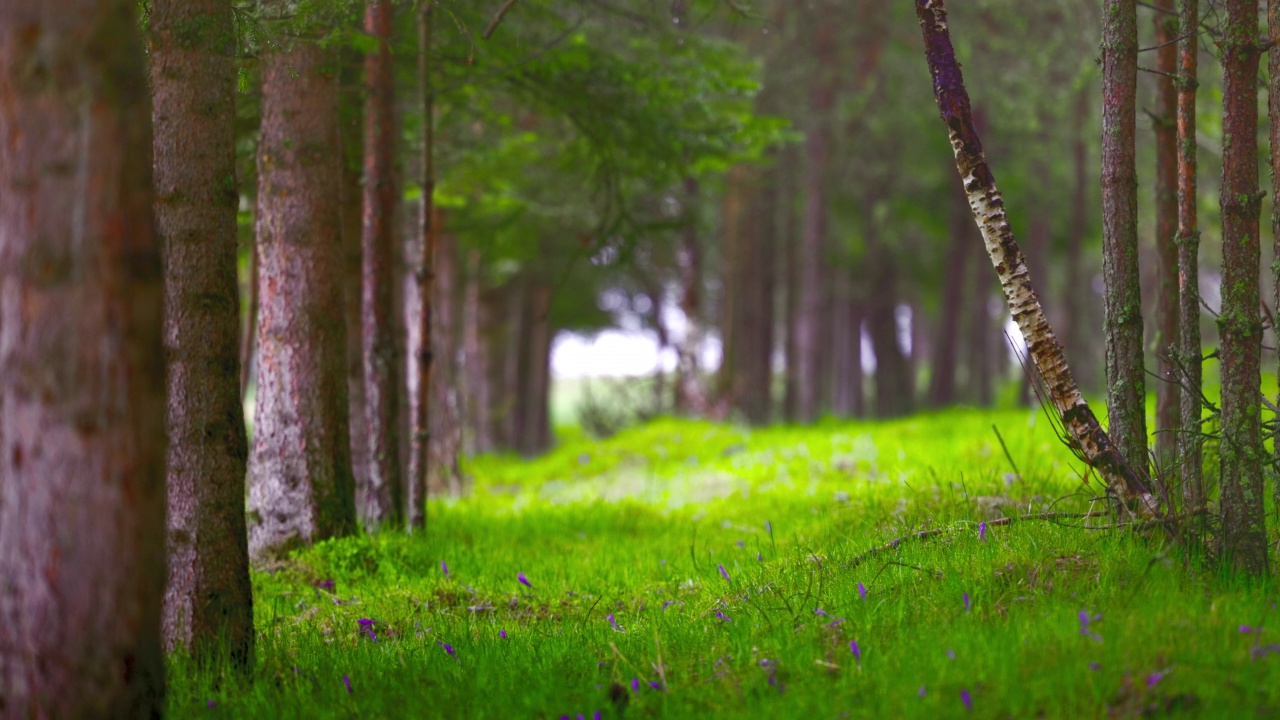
1190, 440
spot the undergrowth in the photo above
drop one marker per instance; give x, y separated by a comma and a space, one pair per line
685, 569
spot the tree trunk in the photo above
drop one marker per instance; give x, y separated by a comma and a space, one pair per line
443, 473
352, 279
534, 387
792, 315
1244, 539
249, 332
380, 500
82, 376
1075, 299
1168, 397
985, 200
689, 265
757, 379
301, 488
423, 352
942, 379
980, 328
1189, 355
477, 360
894, 385
1273, 112
208, 604
1122, 321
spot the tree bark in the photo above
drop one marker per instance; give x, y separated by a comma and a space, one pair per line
1168, 397
82, 376
1092, 443
1075, 300
1189, 355
352, 280
301, 488
942, 377
1273, 112
443, 473
380, 501
1122, 318
895, 387
1244, 539
477, 360
208, 604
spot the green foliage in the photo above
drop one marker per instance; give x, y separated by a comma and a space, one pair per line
637, 529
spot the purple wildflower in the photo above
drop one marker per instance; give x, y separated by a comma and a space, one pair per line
613, 622
725, 573
595, 715
581, 716
1156, 677
635, 685
740, 544
966, 602
834, 623
921, 691
523, 580
211, 703
768, 526
966, 699
857, 651
444, 568
951, 654
447, 647
502, 634
982, 532
820, 611
862, 590
655, 685
1095, 666
1246, 629
759, 557
720, 614
1085, 620
347, 681
326, 584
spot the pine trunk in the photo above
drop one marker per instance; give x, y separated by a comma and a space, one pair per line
1122, 317
301, 488
1273, 112
208, 603
942, 376
987, 205
1076, 332
1189, 348
82, 376
1244, 539
1168, 397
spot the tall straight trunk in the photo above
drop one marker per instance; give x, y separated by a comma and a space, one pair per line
1244, 538
534, 387
1088, 438
1168, 397
757, 398
380, 499
789, 269
1273, 113
1076, 332
942, 376
249, 331
477, 360
82, 373
981, 380
443, 474
301, 488
1122, 318
895, 387
352, 279
1189, 348
734, 266
689, 266
208, 602
423, 354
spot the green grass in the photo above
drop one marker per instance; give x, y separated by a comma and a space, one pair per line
637, 527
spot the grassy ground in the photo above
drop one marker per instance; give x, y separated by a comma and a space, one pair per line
684, 569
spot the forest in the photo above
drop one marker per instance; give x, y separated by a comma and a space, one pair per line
639, 358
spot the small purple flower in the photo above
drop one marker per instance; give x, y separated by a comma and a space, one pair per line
720, 614
211, 703
1246, 629
523, 580
347, 681
635, 685
655, 685
836, 622
1156, 677
740, 544
444, 568
327, 584
502, 634
614, 623
862, 590
1085, 620
725, 573
595, 715
768, 526
447, 647
668, 604
820, 611
857, 651
982, 533
759, 557
966, 602
951, 654
921, 691
966, 699
1095, 666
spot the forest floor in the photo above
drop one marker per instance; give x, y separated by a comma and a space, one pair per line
685, 569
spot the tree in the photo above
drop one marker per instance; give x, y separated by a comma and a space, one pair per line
1273, 112
208, 603
1126, 381
1080, 426
82, 390
380, 501
420, 405
1189, 348
1244, 538
1164, 121
300, 480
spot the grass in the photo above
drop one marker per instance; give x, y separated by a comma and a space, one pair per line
623, 543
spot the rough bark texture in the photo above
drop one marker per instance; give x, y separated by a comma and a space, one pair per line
689, 266
1168, 397
1190, 441
1244, 539
476, 365
1273, 112
352, 264
792, 314
1076, 332
443, 472
82, 377
300, 480
895, 386
987, 205
380, 500
747, 306
208, 603
1122, 317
